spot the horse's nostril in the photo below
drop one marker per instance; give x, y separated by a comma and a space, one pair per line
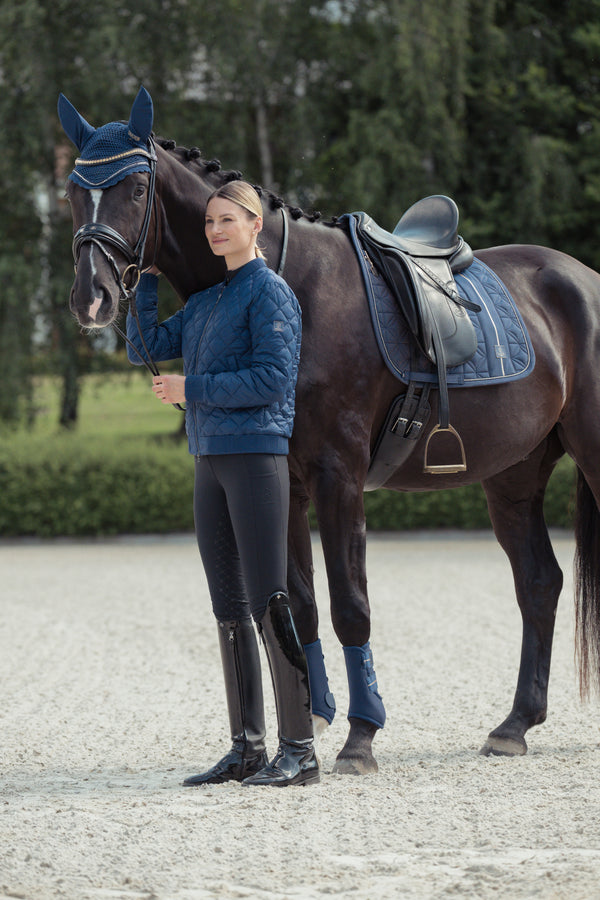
95, 306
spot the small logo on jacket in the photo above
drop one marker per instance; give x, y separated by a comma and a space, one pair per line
278, 326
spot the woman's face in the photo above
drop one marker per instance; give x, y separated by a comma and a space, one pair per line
231, 231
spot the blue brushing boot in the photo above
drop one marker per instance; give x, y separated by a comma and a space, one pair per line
323, 701
364, 701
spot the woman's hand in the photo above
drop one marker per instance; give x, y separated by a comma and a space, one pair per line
169, 388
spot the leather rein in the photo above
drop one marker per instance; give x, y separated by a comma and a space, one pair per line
99, 234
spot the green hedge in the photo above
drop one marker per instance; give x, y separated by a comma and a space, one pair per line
99, 486
76, 490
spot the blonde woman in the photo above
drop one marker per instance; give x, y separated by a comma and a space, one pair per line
240, 343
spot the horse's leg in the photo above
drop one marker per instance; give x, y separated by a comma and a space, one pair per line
302, 598
340, 511
515, 501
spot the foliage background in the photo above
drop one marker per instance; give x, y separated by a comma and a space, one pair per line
336, 104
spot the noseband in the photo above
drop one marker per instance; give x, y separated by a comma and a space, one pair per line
99, 234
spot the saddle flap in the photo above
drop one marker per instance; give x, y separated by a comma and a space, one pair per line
438, 314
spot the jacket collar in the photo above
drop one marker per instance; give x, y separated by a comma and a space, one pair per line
244, 271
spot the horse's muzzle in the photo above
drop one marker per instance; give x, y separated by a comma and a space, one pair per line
97, 311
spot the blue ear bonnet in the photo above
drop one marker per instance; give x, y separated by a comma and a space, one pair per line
108, 143
108, 154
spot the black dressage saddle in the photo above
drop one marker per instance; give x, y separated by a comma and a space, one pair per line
418, 261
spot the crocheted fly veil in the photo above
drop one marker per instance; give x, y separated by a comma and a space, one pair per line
110, 153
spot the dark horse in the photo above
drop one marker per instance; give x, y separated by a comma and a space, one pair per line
513, 434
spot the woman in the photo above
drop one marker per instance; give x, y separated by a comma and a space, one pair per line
240, 343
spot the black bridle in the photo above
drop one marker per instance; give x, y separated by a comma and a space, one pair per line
99, 234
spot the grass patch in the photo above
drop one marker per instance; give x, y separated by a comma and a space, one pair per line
111, 405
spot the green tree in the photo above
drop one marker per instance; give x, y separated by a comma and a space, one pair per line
388, 104
532, 109
247, 101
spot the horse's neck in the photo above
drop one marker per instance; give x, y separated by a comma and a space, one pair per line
184, 255
186, 259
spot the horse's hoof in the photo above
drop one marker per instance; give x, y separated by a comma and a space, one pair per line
349, 766
356, 756
499, 746
320, 725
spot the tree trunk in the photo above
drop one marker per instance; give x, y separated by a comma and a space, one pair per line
69, 406
264, 148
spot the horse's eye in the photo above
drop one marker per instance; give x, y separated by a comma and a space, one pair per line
139, 192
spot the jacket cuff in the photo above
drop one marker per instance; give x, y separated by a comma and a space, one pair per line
194, 392
148, 283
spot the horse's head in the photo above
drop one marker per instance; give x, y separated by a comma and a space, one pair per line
111, 191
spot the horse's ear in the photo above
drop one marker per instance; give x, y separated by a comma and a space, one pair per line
76, 128
142, 116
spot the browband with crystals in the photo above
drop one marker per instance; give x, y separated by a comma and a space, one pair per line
98, 162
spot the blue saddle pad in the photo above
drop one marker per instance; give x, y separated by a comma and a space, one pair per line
504, 350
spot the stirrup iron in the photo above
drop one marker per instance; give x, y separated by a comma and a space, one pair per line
449, 468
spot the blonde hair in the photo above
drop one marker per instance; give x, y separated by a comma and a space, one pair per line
242, 193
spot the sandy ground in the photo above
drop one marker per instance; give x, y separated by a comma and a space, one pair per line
112, 694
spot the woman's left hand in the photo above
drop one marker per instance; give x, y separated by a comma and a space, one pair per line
169, 388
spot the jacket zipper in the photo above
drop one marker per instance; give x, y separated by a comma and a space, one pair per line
206, 324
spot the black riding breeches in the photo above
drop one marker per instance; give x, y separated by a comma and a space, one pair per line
241, 509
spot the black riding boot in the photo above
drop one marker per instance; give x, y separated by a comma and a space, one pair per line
295, 761
243, 689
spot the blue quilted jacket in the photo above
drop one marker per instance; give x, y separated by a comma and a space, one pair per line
240, 343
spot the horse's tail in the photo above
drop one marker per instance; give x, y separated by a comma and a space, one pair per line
587, 588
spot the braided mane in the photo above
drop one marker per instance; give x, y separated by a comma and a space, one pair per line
193, 157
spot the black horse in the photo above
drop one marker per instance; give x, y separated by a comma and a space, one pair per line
513, 434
